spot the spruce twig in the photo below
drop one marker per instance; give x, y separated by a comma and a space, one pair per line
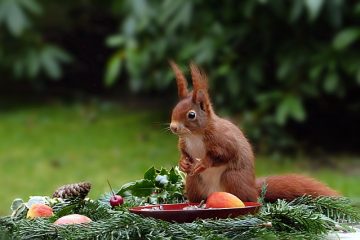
288, 217
337, 208
261, 198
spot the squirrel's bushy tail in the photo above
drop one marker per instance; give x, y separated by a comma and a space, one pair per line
292, 186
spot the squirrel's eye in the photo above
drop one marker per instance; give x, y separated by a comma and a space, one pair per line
191, 115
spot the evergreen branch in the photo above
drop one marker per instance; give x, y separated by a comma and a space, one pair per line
337, 208
289, 221
276, 235
303, 218
261, 198
35, 229
7, 226
289, 217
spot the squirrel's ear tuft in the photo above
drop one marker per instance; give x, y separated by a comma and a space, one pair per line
199, 78
180, 80
200, 93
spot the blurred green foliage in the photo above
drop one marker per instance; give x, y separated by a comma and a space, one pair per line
265, 59
23, 51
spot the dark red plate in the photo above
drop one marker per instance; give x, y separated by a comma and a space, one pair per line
176, 213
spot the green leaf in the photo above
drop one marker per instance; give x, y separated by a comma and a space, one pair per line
205, 50
314, 7
223, 70
31, 6
290, 107
331, 82
163, 171
129, 26
181, 17
167, 10
140, 7
173, 176
112, 71
59, 54
14, 16
51, 58
115, 40
140, 188
13, 13
315, 72
50, 63
346, 37
150, 174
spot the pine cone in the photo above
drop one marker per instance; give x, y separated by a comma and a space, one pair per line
75, 190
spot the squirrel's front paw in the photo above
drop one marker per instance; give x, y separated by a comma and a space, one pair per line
200, 166
185, 166
198, 169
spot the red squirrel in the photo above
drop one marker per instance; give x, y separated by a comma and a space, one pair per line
215, 154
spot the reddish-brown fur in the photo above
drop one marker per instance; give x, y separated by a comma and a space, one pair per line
216, 155
181, 81
291, 186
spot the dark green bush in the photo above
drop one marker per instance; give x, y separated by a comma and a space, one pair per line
24, 51
266, 59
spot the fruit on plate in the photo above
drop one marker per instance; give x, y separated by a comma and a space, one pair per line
72, 219
223, 200
39, 210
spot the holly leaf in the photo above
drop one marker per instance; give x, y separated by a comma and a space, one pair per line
173, 177
150, 174
152, 190
163, 171
141, 188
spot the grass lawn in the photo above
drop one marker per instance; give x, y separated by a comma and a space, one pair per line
49, 145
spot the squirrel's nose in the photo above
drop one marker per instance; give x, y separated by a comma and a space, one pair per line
174, 127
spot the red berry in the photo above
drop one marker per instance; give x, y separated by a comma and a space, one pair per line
116, 200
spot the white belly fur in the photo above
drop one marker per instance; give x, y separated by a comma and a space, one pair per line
211, 179
195, 146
